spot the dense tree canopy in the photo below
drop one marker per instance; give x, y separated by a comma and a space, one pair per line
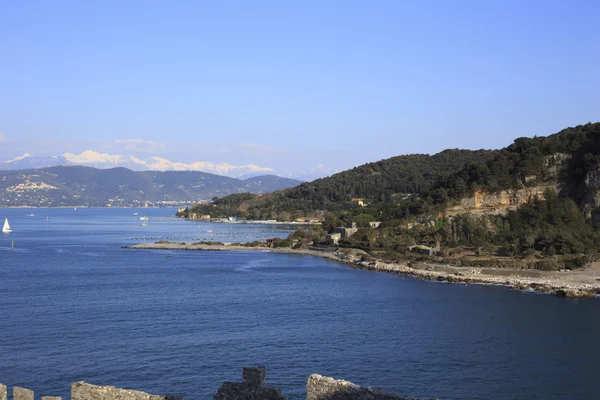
378, 182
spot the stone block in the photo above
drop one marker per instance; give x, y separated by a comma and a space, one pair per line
20, 393
325, 388
254, 376
87, 391
2, 392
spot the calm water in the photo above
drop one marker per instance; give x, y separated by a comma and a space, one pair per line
76, 306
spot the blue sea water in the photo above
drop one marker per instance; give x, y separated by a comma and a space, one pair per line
75, 306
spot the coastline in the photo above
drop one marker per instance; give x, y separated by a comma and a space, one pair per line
584, 282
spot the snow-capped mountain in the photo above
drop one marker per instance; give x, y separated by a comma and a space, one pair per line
91, 158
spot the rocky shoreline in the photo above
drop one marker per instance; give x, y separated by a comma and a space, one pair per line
581, 283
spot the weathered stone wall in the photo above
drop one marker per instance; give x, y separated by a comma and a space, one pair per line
252, 388
87, 391
20, 393
324, 388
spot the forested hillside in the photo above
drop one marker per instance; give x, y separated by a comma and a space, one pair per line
537, 200
560, 219
528, 162
378, 182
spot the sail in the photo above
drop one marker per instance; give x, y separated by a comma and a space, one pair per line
6, 227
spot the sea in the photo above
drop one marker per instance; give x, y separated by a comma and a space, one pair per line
77, 306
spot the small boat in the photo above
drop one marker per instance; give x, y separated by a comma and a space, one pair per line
75, 209
6, 227
31, 215
135, 214
144, 218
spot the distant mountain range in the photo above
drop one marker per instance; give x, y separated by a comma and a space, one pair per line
63, 186
91, 158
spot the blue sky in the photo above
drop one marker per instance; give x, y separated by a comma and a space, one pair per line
292, 84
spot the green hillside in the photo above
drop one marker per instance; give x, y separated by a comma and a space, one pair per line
559, 219
378, 182
529, 162
539, 202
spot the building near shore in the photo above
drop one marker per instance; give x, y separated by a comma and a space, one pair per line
333, 238
425, 250
346, 232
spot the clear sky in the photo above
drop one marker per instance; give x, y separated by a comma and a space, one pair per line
292, 84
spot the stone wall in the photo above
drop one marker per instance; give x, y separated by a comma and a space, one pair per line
87, 391
20, 393
252, 388
324, 388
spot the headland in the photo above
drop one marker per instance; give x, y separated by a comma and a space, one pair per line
584, 282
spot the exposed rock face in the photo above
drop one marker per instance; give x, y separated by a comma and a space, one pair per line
505, 200
591, 193
499, 202
87, 391
554, 165
324, 388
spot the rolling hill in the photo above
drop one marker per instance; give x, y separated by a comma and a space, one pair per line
378, 182
535, 202
62, 186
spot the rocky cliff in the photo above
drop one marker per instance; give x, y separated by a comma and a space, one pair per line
532, 186
590, 201
499, 202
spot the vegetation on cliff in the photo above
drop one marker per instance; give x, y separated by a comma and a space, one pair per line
413, 196
527, 162
378, 182
539, 230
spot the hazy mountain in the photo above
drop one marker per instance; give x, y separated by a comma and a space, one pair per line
90, 158
274, 182
80, 186
307, 175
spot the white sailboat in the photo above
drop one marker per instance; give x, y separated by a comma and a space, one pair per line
6, 227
